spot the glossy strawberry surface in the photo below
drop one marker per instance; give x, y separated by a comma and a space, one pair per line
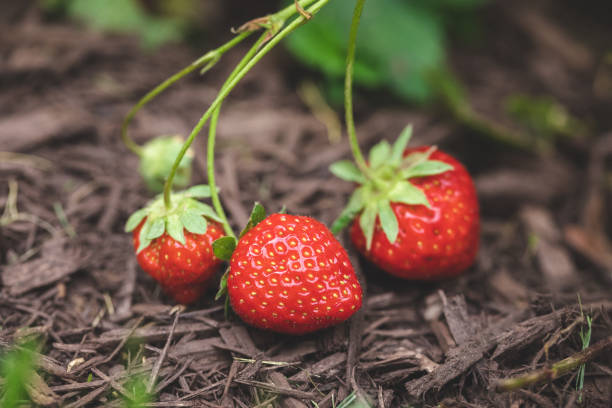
432, 243
289, 274
183, 270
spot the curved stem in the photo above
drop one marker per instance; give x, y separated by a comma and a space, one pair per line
230, 86
212, 133
209, 58
348, 90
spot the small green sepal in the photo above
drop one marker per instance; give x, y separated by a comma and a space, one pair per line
258, 213
135, 219
354, 206
379, 155
388, 220
224, 247
386, 182
156, 229
184, 213
199, 191
176, 228
222, 285
400, 145
346, 170
193, 222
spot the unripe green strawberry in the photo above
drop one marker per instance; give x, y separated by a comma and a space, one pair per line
174, 245
289, 274
157, 159
415, 213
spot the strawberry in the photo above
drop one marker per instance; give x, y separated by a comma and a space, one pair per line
290, 275
174, 245
415, 214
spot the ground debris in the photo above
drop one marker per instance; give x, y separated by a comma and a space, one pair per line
58, 261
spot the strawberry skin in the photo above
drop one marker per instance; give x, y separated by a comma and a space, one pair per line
183, 270
289, 274
432, 243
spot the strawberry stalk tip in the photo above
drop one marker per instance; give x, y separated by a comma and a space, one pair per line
386, 181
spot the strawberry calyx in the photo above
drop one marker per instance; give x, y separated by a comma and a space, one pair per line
185, 213
156, 161
386, 181
224, 247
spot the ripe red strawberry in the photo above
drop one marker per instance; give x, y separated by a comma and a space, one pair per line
416, 214
174, 245
290, 275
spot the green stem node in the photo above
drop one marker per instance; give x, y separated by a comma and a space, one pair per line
229, 86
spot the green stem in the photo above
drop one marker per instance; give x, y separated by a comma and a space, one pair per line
230, 86
209, 58
557, 370
348, 90
212, 133
288, 11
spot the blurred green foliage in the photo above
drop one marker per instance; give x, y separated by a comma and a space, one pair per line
122, 16
400, 43
544, 116
16, 370
140, 397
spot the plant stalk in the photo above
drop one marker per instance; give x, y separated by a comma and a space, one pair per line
207, 61
557, 370
231, 85
348, 90
212, 133
209, 58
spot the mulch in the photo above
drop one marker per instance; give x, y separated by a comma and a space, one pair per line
70, 279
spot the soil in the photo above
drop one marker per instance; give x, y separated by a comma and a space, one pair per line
69, 275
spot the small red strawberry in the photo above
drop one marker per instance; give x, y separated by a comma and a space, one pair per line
415, 213
289, 274
174, 245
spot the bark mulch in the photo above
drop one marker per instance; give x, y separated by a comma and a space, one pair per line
69, 276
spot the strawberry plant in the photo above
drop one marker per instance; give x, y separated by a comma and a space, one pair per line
288, 274
173, 235
415, 212
174, 243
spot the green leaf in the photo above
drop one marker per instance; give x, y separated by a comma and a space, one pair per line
224, 247
388, 220
175, 227
398, 44
135, 219
199, 191
126, 16
400, 145
354, 206
222, 285
17, 369
346, 170
367, 222
194, 222
202, 209
355, 400
257, 215
156, 229
142, 237
406, 193
427, 168
380, 154
415, 158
